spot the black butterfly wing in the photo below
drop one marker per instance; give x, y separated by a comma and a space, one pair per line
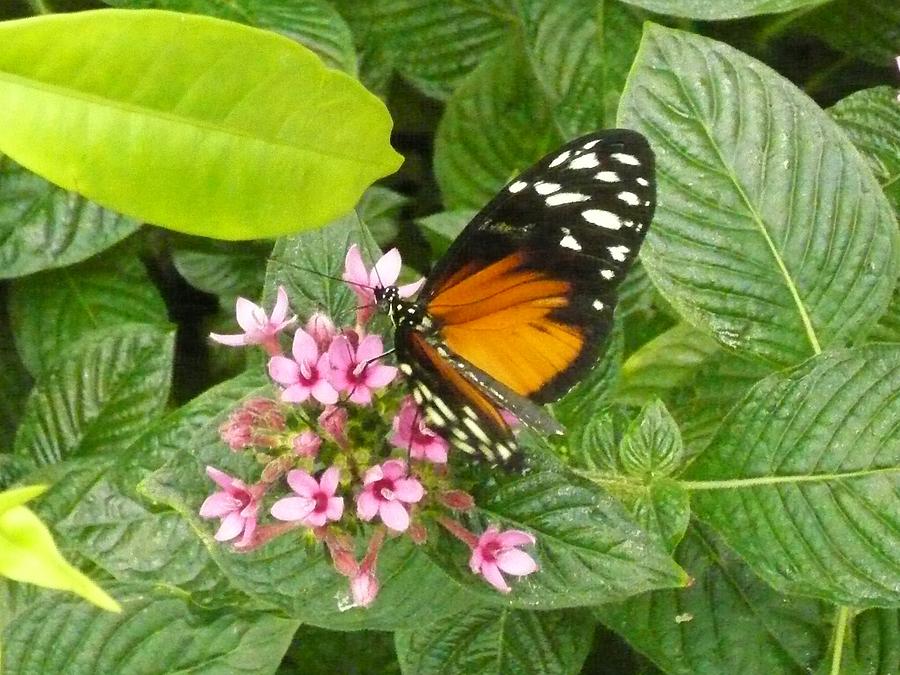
526, 292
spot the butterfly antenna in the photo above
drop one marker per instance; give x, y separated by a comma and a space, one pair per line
319, 273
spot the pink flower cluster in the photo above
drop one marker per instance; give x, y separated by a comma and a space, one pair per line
308, 438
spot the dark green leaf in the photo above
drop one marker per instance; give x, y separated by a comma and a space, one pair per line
652, 445
158, 632
866, 29
43, 227
430, 42
663, 509
727, 621
379, 210
53, 310
312, 23
223, 268
440, 229
873, 647
771, 233
871, 118
717, 11
498, 641
14, 382
663, 364
317, 651
309, 265
101, 397
588, 547
803, 478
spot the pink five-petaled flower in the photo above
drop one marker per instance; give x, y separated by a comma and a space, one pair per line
259, 327
315, 503
496, 553
237, 504
410, 433
307, 443
306, 374
357, 371
364, 282
386, 492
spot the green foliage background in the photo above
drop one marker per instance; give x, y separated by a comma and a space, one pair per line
727, 498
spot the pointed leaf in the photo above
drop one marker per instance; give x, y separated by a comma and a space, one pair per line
490, 641
44, 227
101, 397
803, 478
771, 233
652, 445
221, 129
28, 553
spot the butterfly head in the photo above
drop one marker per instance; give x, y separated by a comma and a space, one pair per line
401, 312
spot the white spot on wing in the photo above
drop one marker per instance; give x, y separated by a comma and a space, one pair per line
629, 198
570, 242
597, 305
560, 158
618, 253
602, 218
590, 144
623, 158
607, 274
587, 161
518, 186
643, 181
566, 198
607, 176
546, 188
406, 369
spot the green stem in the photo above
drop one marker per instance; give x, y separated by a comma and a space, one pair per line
840, 634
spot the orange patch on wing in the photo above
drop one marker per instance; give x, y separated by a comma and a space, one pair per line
498, 319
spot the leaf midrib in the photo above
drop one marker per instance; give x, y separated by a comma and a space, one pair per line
755, 216
168, 117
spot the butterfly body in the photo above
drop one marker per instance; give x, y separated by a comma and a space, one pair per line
517, 310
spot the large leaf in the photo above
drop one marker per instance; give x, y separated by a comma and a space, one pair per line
491, 641
803, 478
158, 632
562, 77
431, 42
588, 547
871, 119
309, 266
101, 397
52, 310
727, 621
312, 23
717, 11
225, 269
866, 29
771, 233
43, 227
198, 124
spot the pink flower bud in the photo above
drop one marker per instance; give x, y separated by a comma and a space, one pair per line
334, 420
457, 500
307, 443
322, 329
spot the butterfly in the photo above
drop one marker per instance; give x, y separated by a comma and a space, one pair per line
517, 311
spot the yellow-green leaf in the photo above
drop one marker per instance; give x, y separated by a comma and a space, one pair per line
28, 553
194, 123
